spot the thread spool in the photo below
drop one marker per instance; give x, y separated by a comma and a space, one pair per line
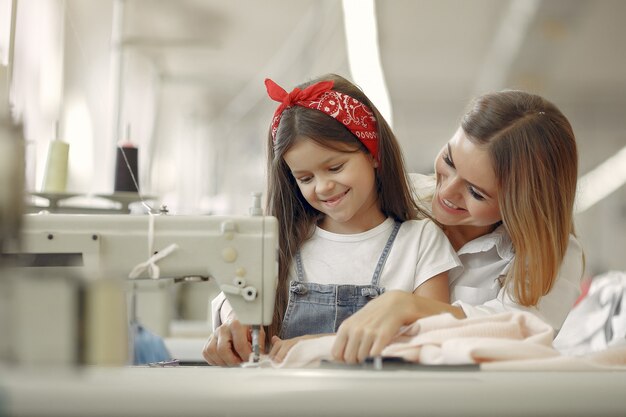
55, 175
126, 168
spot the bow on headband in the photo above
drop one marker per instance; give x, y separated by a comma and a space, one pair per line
353, 114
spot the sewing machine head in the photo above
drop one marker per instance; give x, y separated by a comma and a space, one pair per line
238, 253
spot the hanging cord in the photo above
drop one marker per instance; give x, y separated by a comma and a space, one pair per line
151, 264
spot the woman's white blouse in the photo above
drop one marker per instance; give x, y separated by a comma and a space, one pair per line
476, 286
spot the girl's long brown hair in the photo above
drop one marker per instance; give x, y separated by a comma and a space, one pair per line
296, 218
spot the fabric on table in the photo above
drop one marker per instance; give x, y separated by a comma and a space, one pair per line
506, 341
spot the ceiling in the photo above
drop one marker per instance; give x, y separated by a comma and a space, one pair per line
436, 55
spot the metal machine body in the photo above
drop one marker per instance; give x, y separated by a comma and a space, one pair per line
238, 253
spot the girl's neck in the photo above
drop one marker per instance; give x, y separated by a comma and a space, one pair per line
363, 224
460, 235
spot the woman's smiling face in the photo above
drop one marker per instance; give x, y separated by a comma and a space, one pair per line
467, 192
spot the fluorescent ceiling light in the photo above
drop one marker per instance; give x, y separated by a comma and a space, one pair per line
359, 17
601, 181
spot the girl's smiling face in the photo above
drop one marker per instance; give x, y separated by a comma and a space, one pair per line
340, 184
467, 192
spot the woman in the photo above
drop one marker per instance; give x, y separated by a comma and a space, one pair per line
504, 195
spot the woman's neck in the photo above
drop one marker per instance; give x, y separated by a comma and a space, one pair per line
460, 235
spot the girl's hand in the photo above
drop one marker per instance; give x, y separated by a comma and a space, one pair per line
230, 344
281, 347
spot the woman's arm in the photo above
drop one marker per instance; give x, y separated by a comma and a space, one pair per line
230, 344
368, 331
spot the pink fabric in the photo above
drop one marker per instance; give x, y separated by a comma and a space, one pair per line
507, 341
444, 339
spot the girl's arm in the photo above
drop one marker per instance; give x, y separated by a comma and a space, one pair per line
367, 332
436, 288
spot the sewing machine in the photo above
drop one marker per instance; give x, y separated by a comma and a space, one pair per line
239, 253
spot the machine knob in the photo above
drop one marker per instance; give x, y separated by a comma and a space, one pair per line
249, 293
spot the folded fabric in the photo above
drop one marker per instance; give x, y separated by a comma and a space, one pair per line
444, 339
506, 341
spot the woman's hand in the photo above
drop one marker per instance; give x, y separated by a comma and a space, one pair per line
281, 347
369, 330
230, 344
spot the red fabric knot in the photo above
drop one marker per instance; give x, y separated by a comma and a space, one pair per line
353, 114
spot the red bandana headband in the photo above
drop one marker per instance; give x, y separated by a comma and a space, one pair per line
353, 114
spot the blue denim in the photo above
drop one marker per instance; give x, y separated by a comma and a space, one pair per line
321, 308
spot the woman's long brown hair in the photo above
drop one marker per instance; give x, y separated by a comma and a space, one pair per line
533, 150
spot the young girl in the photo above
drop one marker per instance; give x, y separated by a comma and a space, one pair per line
504, 195
349, 228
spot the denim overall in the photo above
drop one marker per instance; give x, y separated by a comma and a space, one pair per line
321, 308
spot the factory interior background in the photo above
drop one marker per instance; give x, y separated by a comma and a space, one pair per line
183, 82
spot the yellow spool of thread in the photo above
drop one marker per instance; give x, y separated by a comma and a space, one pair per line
55, 176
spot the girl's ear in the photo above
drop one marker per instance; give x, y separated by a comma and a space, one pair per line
373, 161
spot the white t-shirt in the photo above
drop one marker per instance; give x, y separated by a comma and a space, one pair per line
476, 286
419, 252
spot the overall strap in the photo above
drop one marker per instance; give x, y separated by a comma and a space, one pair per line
299, 267
383, 256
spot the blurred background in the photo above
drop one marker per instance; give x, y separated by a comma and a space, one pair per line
183, 82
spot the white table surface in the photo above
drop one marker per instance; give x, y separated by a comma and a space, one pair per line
209, 391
